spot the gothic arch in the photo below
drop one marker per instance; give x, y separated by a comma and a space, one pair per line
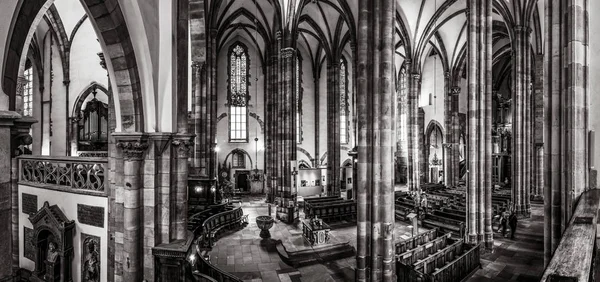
109, 21
238, 150
84, 94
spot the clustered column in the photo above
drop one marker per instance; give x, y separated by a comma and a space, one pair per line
285, 142
566, 84
521, 157
133, 149
375, 106
454, 138
414, 137
271, 129
538, 128
401, 132
479, 188
333, 128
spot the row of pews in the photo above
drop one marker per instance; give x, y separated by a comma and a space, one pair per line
330, 208
433, 256
446, 208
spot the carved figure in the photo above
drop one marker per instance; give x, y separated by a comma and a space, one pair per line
91, 266
52, 253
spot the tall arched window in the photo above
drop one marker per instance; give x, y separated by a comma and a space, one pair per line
238, 93
28, 92
298, 98
343, 102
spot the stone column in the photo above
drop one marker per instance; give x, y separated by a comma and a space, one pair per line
199, 106
401, 131
414, 136
333, 127
9, 246
270, 127
538, 126
479, 122
133, 146
521, 121
566, 83
375, 189
183, 143
286, 124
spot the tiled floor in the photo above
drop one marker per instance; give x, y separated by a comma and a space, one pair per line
247, 256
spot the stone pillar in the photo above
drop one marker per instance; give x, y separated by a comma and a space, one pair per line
9, 246
133, 146
521, 172
286, 143
179, 207
414, 139
479, 186
333, 128
538, 126
566, 83
423, 150
375, 109
270, 127
401, 131
199, 106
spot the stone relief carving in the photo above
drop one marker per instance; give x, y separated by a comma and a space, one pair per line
90, 266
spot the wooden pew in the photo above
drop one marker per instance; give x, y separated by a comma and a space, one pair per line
424, 250
310, 207
440, 258
462, 266
221, 221
413, 242
335, 212
445, 224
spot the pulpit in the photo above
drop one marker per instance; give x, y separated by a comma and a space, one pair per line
315, 231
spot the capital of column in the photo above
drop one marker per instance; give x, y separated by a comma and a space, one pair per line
278, 35
416, 76
455, 91
287, 53
134, 145
447, 74
183, 143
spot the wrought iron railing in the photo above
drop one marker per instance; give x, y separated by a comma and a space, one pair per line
80, 174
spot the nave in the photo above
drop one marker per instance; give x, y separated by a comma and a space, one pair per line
350, 140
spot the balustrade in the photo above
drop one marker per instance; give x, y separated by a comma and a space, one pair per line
76, 174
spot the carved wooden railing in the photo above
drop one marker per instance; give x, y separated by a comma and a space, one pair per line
93, 154
573, 259
73, 174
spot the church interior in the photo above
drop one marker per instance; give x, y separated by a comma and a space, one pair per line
299, 140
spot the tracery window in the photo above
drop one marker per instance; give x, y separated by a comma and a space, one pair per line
28, 92
298, 100
238, 160
238, 93
344, 112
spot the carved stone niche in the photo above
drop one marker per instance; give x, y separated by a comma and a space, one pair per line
53, 241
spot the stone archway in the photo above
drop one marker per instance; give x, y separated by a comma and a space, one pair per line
108, 19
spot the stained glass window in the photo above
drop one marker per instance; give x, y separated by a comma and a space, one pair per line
343, 102
27, 92
238, 160
298, 100
238, 93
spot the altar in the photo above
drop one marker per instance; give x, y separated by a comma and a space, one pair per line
315, 231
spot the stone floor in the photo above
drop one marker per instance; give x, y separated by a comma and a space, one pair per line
247, 256
521, 259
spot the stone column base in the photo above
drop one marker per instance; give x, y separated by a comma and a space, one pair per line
172, 258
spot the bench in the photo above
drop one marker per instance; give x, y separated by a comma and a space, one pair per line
424, 250
459, 217
310, 209
413, 242
335, 212
462, 266
439, 259
445, 224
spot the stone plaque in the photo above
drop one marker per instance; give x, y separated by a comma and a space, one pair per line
90, 258
28, 247
29, 203
90, 215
